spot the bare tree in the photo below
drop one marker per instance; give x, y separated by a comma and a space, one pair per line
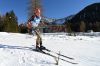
32, 5
82, 26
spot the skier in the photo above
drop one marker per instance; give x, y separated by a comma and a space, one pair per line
35, 19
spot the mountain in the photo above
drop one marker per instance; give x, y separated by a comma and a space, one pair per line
58, 22
90, 15
48, 20
61, 21
70, 17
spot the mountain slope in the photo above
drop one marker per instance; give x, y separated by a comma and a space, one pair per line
90, 13
90, 16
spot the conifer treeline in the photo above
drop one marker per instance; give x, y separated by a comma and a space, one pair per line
9, 22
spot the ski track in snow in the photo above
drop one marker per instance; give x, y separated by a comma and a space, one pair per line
15, 50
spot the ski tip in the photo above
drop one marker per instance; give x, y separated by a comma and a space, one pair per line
72, 58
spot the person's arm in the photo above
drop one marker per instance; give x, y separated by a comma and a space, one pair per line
29, 23
31, 19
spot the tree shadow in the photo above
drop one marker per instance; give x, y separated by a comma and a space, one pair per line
17, 47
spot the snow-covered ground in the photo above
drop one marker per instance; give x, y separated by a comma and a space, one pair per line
15, 50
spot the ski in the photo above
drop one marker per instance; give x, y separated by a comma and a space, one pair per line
59, 58
59, 54
43, 52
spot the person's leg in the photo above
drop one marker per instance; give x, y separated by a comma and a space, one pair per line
37, 43
40, 42
39, 39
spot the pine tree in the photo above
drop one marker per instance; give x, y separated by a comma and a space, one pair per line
1, 24
14, 23
10, 22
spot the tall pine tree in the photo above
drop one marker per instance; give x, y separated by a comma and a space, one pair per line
10, 22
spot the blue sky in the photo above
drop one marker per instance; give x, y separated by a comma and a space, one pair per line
51, 8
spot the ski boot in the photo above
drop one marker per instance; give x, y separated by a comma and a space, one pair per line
38, 48
42, 47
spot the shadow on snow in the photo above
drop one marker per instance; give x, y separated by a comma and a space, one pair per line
17, 47
24, 48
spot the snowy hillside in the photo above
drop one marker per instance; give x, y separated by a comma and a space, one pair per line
15, 50
59, 21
